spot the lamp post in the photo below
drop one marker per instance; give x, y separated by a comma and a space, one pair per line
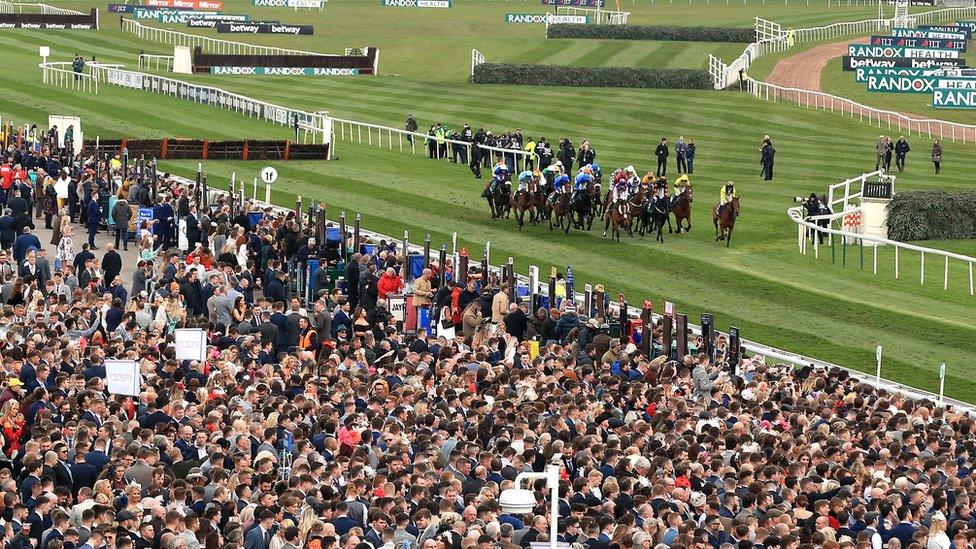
519, 500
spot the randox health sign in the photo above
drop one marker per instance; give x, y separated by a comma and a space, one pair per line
901, 84
284, 71
416, 3
546, 18
862, 74
864, 50
953, 99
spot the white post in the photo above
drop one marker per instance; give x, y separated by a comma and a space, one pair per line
255, 197
488, 257
877, 355
941, 382
267, 193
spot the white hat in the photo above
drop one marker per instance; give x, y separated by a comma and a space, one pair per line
697, 499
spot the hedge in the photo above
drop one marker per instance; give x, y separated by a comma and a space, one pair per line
645, 32
602, 77
932, 215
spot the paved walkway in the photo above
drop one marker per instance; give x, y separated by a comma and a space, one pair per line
102, 240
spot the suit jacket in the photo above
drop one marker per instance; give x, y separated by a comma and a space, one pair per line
85, 475
255, 539
97, 459
343, 524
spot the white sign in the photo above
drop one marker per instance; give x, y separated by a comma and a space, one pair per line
123, 377
398, 307
127, 79
191, 344
669, 309
269, 175
44, 51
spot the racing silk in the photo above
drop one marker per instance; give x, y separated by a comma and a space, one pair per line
597, 172
581, 180
523, 180
560, 182
620, 191
633, 183
681, 184
724, 197
500, 172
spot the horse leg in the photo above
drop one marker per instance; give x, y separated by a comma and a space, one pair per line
569, 221
688, 228
717, 237
549, 216
676, 220
520, 218
728, 238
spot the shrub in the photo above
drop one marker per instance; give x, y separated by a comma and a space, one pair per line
932, 215
605, 77
646, 32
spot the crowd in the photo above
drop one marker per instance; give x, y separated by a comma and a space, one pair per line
323, 425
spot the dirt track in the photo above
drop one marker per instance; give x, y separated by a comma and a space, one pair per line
803, 69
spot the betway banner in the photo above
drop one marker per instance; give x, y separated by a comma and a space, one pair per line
416, 3
953, 99
862, 50
199, 23
312, 4
548, 18
916, 33
904, 42
577, 3
264, 28
168, 15
852, 62
901, 84
185, 4
48, 26
283, 71
948, 28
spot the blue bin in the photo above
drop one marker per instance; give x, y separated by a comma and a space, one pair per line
416, 265
332, 234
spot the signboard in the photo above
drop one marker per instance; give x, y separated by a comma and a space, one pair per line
211, 23
123, 377
416, 3
953, 99
852, 62
669, 309
971, 25
179, 16
547, 18
284, 71
191, 344
145, 214
355, 52
577, 3
185, 4
264, 28
955, 83
906, 42
917, 33
269, 175
48, 26
126, 79
864, 50
914, 2
398, 307
312, 4
862, 74
901, 84
948, 28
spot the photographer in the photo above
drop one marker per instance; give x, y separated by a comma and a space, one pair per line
704, 379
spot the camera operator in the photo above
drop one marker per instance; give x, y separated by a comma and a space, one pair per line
706, 376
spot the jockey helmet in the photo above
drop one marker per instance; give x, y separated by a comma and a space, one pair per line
525, 176
630, 169
586, 169
729, 184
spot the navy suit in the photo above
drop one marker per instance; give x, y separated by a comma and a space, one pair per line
256, 540
344, 524
83, 475
93, 220
97, 459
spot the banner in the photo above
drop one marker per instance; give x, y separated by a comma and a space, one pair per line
901, 84
283, 71
548, 18
915, 2
955, 83
905, 42
948, 28
953, 99
416, 3
917, 33
127, 79
262, 28
168, 15
210, 23
577, 3
862, 50
313, 4
191, 344
48, 26
852, 62
123, 377
185, 4
971, 25
862, 74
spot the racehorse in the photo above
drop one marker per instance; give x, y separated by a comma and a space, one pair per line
500, 200
727, 221
561, 209
682, 209
598, 203
657, 215
583, 209
524, 201
616, 214
637, 210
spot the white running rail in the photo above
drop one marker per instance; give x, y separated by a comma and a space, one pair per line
156, 62
209, 45
477, 58
62, 75
597, 16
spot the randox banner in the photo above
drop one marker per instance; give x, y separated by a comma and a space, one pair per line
916, 33
168, 15
852, 62
546, 18
416, 3
953, 99
950, 83
901, 84
862, 50
261, 28
862, 74
48, 26
948, 28
905, 42
971, 25
284, 71
313, 4
577, 3
185, 4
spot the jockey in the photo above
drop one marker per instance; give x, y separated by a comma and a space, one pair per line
680, 185
551, 172
523, 181
499, 174
633, 182
726, 195
621, 189
559, 185
661, 188
597, 172
583, 178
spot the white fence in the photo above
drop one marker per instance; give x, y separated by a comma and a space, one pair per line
880, 118
149, 61
31, 7
771, 38
209, 45
477, 58
597, 16
62, 75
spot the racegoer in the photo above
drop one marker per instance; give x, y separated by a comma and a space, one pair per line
726, 195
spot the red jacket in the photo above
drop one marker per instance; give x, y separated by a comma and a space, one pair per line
388, 285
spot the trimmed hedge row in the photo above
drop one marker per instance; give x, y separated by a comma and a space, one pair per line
932, 215
647, 32
600, 77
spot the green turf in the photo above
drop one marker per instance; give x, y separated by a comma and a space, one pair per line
760, 284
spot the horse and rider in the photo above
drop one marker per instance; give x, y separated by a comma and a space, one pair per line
525, 197
726, 212
498, 192
681, 200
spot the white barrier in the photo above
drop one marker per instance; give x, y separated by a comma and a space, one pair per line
149, 61
62, 75
477, 58
598, 16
